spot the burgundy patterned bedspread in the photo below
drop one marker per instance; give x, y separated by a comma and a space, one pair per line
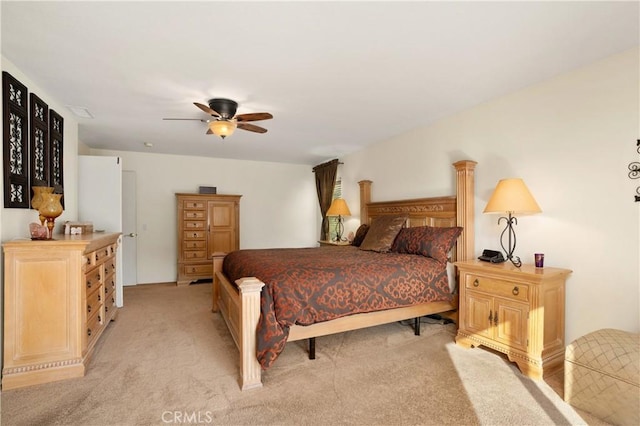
308, 285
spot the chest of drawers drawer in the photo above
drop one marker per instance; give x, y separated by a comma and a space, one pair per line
194, 224
194, 204
194, 235
194, 245
195, 215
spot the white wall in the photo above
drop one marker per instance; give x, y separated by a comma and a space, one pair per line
571, 139
15, 222
278, 208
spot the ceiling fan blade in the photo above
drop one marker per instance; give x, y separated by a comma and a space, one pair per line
251, 127
194, 119
206, 109
254, 116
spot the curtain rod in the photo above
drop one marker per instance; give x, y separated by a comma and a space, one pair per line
325, 164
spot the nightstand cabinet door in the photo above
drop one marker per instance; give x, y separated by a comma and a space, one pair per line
477, 310
511, 321
516, 311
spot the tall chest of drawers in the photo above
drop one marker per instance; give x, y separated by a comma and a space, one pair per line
208, 224
59, 298
516, 311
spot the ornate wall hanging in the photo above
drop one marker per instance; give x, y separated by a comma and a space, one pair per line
15, 161
634, 171
39, 145
56, 136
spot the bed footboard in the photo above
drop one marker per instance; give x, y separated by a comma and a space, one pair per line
240, 309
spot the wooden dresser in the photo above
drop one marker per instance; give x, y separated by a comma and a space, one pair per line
516, 311
207, 225
59, 296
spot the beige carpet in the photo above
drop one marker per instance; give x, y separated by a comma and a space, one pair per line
168, 360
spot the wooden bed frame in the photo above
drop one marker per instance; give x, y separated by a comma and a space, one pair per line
240, 305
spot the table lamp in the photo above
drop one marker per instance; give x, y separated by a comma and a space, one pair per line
511, 196
339, 208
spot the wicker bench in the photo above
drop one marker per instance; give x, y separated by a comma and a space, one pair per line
602, 375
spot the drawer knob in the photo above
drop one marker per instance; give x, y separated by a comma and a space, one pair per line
89, 283
476, 283
88, 332
88, 308
515, 291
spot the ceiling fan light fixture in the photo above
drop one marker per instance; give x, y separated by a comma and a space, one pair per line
223, 128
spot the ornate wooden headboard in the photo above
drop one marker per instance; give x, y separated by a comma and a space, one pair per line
455, 210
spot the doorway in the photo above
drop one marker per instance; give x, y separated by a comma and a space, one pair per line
129, 229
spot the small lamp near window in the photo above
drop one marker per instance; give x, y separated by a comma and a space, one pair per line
339, 208
511, 196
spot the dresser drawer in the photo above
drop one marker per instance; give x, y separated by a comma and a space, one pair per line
110, 267
194, 215
198, 270
109, 306
194, 204
94, 325
110, 285
93, 279
194, 235
94, 303
502, 288
103, 253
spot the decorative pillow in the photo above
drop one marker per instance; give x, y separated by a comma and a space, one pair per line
382, 233
427, 241
360, 234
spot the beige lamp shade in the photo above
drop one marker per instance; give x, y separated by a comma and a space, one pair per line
338, 208
223, 128
512, 196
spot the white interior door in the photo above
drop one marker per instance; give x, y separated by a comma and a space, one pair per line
100, 201
129, 229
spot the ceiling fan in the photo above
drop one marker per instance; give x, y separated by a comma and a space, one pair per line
224, 120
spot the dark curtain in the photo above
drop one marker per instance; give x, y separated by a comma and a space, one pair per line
325, 181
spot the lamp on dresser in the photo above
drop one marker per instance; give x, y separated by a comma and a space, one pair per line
339, 208
511, 196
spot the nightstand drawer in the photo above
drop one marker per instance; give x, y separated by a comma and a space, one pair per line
515, 291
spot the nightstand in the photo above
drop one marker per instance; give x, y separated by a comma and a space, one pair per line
333, 243
516, 311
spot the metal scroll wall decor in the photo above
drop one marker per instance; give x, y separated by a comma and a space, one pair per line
32, 144
634, 171
56, 132
15, 165
39, 146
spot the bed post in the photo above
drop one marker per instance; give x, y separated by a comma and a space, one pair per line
250, 370
365, 198
465, 208
215, 285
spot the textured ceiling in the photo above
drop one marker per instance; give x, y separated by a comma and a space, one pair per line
336, 75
